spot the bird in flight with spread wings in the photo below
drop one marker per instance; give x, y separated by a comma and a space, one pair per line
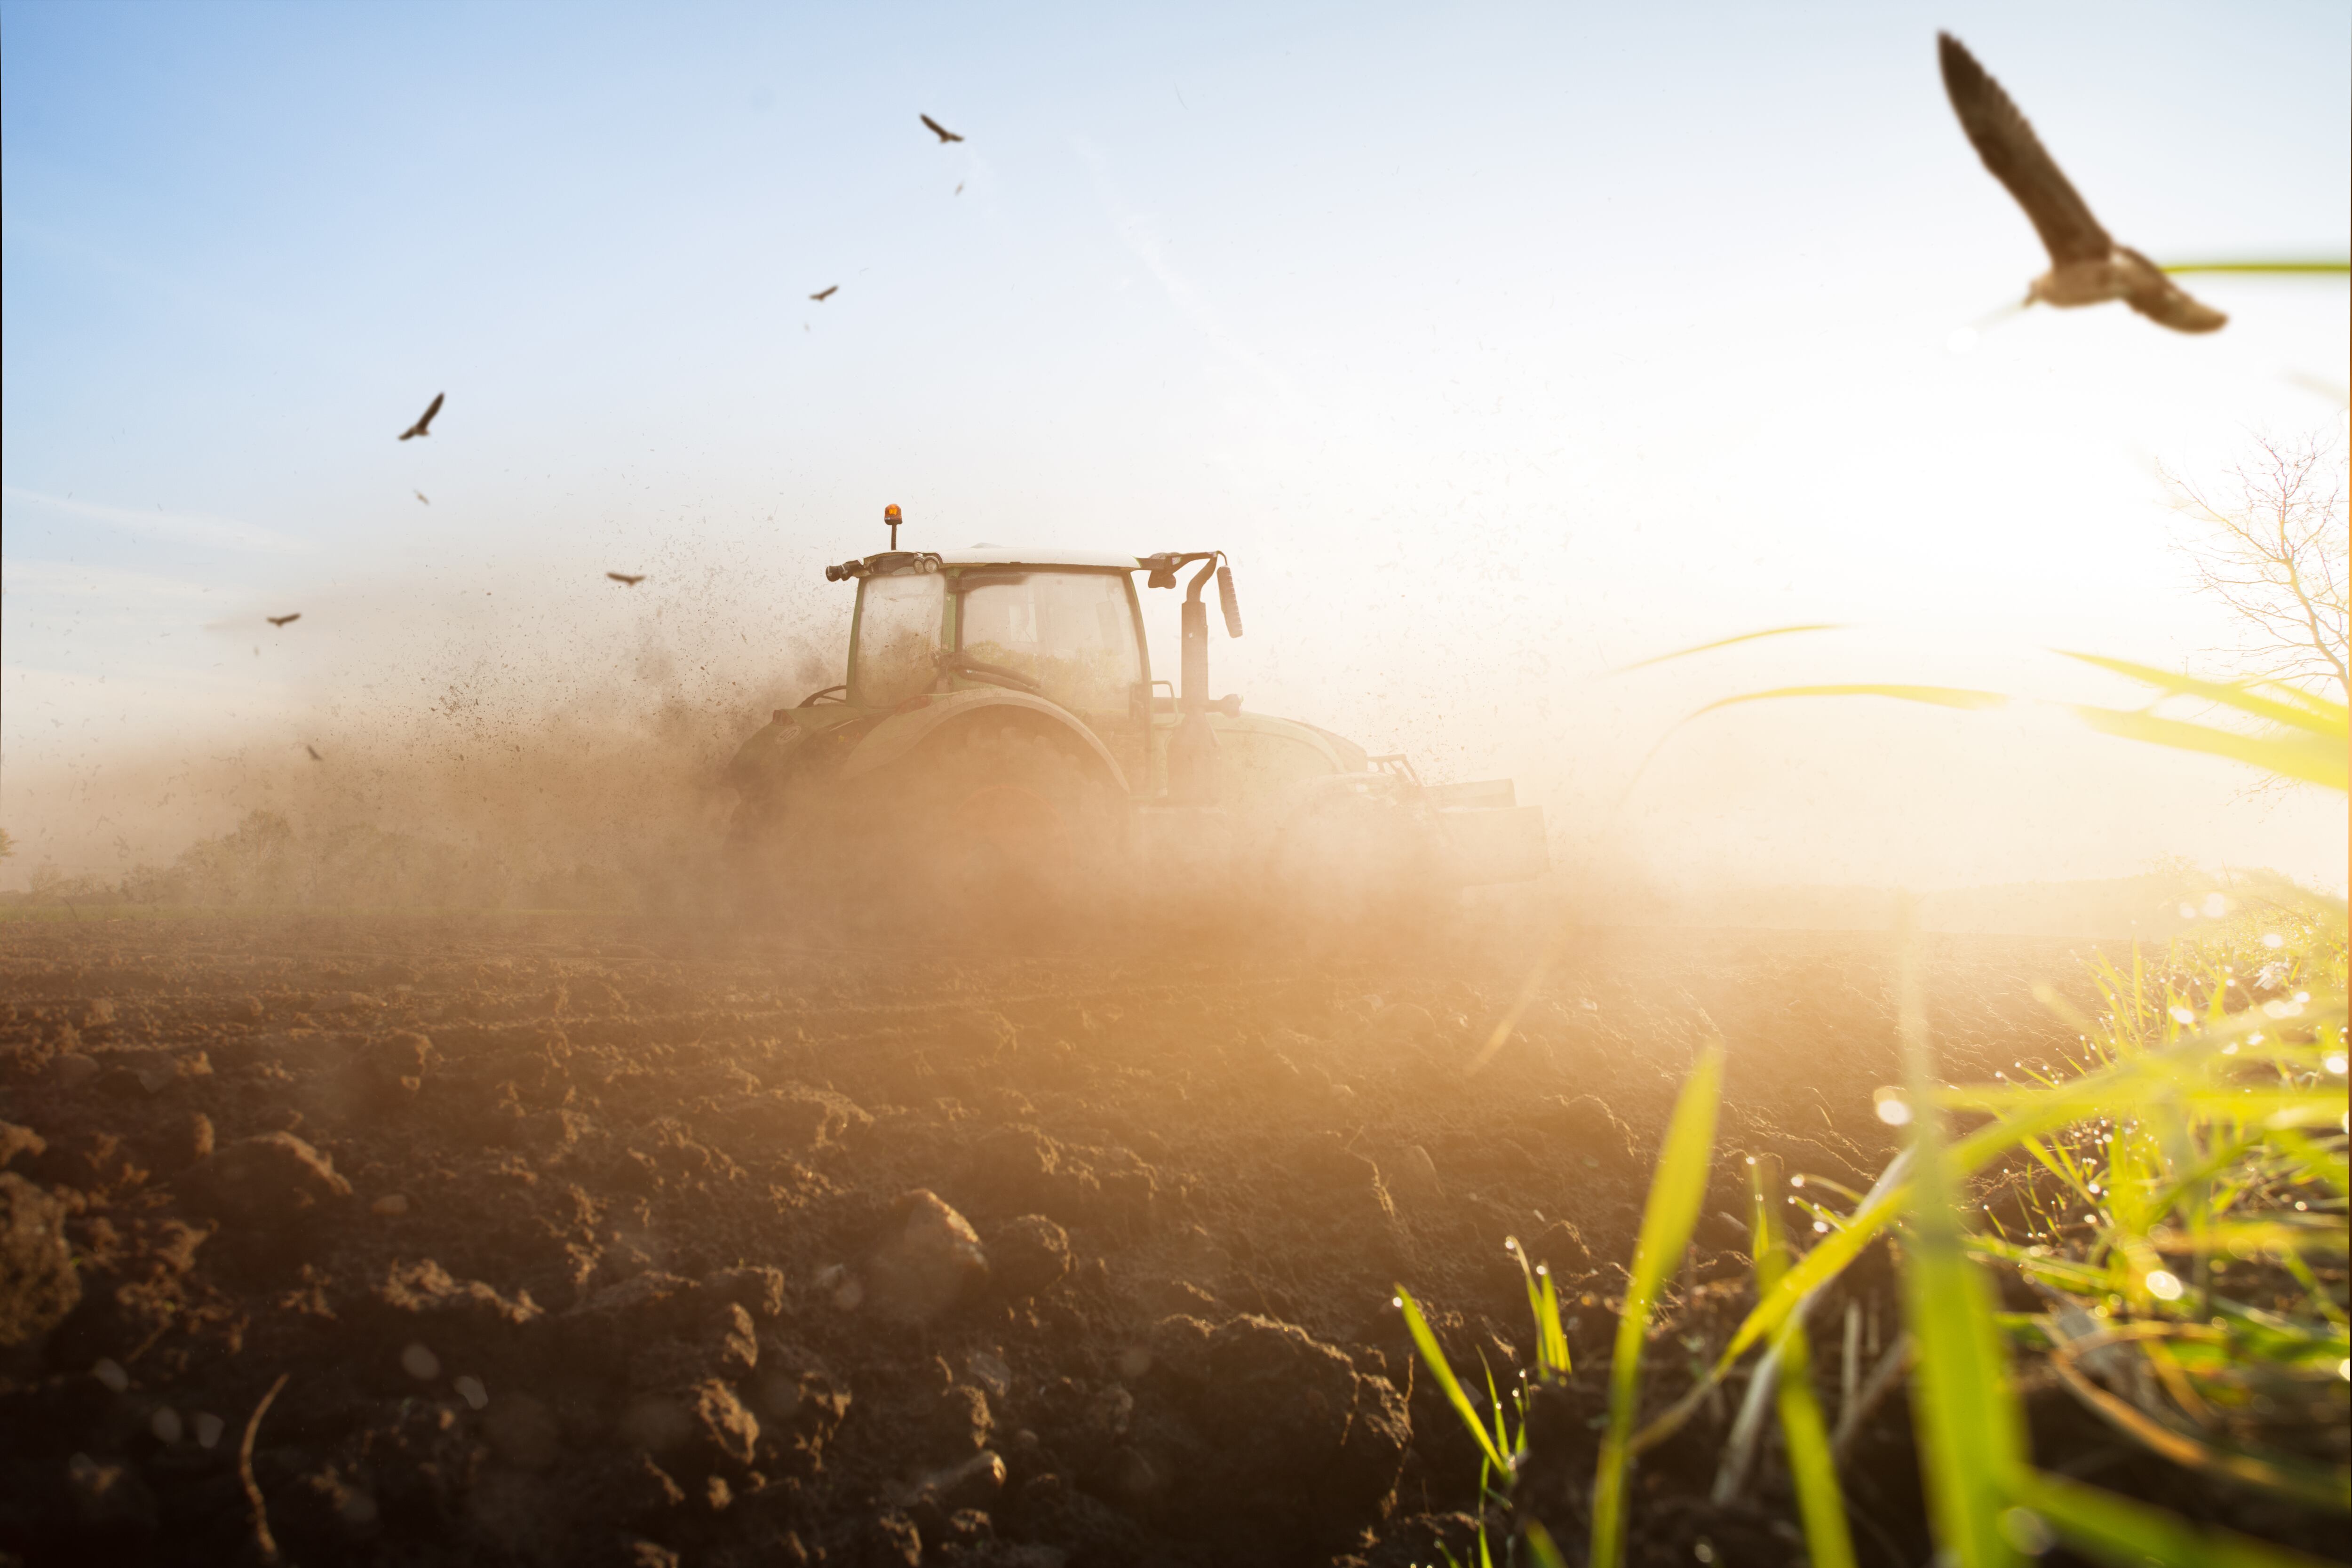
283, 620
2087, 266
939, 131
827, 292
624, 579
424, 421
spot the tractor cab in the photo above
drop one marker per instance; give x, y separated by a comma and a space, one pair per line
1063, 626
1068, 630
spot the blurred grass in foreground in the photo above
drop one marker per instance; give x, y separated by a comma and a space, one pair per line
2161, 1192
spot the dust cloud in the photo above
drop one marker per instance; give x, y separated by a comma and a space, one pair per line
535, 735
419, 743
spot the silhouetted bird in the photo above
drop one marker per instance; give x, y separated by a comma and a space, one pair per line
827, 292
2087, 266
425, 420
420, 496
314, 753
284, 620
939, 131
623, 578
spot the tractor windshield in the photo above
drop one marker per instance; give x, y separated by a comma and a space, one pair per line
1073, 633
897, 634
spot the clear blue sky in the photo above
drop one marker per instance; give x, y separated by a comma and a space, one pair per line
1498, 345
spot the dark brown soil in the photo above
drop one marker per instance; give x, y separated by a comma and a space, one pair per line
582, 1241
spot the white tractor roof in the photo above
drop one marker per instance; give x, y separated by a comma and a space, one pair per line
1033, 555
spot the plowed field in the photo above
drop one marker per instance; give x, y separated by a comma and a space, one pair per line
577, 1240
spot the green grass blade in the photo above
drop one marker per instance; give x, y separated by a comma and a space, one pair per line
1555, 1336
2326, 1164
2024, 1113
2117, 1530
1885, 1204
2314, 750
1431, 1352
1502, 1443
1486, 1548
1764, 1239
1937, 696
1770, 1261
1970, 1430
1820, 1501
1816, 1268
2311, 700
1727, 642
1542, 1548
1675, 1193
2306, 711
1543, 1306
2323, 268
2314, 759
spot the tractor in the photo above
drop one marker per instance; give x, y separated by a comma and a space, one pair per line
1000, 756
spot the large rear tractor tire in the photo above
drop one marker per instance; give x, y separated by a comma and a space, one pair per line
994, 833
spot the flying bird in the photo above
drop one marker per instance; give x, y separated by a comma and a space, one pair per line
424, 422
939, 131
2087, 266
283, 620
314, 752
624, 579
827, 292
420, 496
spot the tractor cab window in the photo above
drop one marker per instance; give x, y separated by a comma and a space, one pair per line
1073, 633
897, 635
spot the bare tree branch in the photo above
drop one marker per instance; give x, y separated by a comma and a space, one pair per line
2270, 544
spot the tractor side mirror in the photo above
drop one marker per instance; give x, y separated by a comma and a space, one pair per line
1227, 602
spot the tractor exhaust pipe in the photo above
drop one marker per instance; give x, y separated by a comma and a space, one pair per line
1193, 695
1192, 749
